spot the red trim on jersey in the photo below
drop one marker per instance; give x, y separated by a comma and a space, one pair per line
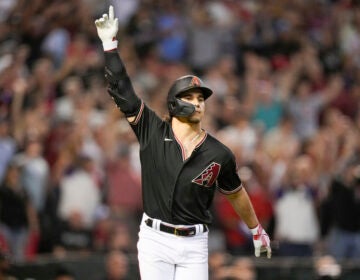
139, 114
182, 147
231, 192
202, 140
183, 153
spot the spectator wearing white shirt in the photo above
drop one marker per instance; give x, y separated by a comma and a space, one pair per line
296, 221
79, 193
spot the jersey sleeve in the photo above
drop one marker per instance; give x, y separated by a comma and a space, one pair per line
145, 124
229, 181
121, 90
120, 87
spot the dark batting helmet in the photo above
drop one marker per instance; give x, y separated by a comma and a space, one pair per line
178, 107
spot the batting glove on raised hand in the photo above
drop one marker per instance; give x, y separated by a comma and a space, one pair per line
261, 241
107, 27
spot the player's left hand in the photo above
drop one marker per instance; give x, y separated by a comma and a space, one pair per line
261, 241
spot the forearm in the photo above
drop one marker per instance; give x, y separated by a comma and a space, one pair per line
243, 206
115, 65
241, 203
120, 86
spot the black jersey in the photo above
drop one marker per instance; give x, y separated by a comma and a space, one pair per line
175, 189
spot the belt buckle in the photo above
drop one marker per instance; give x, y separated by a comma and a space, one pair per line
189, 232
178, 230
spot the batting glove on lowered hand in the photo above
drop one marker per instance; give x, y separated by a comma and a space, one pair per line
261, 241
107, 28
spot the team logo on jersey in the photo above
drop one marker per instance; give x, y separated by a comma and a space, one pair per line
208, 176
195, 82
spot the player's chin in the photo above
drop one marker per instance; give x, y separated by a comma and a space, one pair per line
194, 119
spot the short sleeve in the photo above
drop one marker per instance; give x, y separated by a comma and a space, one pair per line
229, 181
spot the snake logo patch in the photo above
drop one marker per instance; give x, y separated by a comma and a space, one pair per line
208, 176
195, 82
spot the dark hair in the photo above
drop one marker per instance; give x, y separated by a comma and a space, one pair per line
303, 78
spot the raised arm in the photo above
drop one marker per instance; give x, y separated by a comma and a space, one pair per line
120, 87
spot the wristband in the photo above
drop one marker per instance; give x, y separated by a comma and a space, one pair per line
256, 230
110, 45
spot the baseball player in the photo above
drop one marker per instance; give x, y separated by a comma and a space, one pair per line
182, 167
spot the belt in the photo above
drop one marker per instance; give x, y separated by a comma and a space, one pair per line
179, 231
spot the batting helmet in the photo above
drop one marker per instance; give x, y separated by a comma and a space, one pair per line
178, 107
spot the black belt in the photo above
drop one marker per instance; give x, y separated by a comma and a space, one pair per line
180, 231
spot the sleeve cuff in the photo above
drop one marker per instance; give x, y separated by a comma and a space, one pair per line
110, 45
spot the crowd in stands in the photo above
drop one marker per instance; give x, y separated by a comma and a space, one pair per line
286, 81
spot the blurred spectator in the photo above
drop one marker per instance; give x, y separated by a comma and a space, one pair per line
348, 101
205, 40
332, 147
329, 52
141, 28
349, 35
34, 176
81, 58
60, 147
340, 213
283, 133
222, 78
102, 228
124, 186
239, 269
55, 44
79, 193
6, 272
217, 261
124, 9
63, 274
6, 8
172, 33
41, 86
281, 155
244, 269
296, 220
34, 172
241, 136
18, 218
268, 107
327, 268
72, 236
305, 106
117, 266
71, 88
7, 146
122, 237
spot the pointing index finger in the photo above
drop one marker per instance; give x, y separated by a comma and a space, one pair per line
111, 12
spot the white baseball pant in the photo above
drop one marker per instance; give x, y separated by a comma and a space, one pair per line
165, 256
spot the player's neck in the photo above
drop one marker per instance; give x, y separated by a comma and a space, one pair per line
184, 130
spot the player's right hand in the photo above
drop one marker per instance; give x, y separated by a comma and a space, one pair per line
107, 27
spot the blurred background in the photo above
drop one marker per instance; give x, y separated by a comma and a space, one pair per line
286, 81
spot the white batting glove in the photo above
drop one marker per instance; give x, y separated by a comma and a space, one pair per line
107, 27
261, 241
